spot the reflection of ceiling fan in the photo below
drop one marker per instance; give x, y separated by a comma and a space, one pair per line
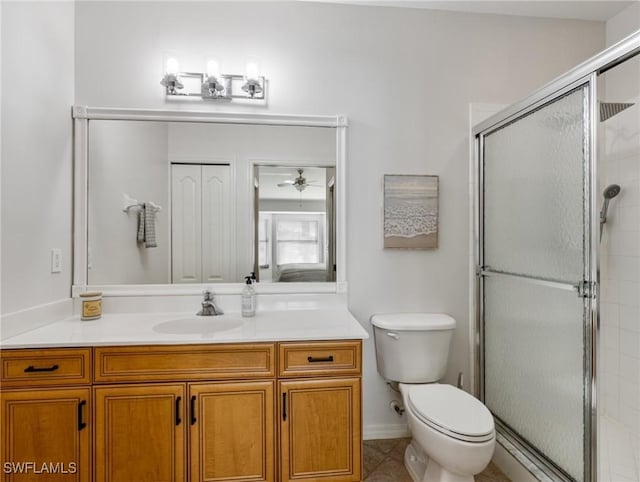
300, 182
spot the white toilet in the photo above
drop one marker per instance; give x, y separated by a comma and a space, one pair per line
453, 432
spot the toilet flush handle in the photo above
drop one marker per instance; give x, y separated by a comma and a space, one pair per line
393, 335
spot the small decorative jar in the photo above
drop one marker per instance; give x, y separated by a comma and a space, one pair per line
91, 305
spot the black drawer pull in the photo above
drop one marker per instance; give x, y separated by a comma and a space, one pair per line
192, 409
284, 406
81, 424
178, 419
321, 359
32, 369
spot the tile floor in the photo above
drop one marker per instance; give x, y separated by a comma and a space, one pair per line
384, 462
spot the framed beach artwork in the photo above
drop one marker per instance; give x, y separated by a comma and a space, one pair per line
410, 211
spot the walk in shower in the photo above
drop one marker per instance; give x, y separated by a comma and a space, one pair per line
558, 367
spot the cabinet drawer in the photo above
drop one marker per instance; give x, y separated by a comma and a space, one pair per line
184, 362
45, 367
304, 359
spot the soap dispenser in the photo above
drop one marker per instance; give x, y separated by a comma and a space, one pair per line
249, 296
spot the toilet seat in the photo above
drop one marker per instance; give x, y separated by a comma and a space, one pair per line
451, 411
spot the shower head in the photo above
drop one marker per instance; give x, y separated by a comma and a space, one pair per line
609, 109
611, 191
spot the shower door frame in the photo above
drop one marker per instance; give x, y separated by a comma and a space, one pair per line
585, 74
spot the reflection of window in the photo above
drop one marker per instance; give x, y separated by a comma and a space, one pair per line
264, 250
297, 240
285, 238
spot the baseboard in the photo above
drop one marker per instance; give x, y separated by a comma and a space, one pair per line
396, 430
12, 324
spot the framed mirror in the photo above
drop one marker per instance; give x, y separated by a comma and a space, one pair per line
172, 202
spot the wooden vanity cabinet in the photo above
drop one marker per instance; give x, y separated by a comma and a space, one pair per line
205, 428
320, 411
43, 424
140, 433
232, 431
320, 436
261, 412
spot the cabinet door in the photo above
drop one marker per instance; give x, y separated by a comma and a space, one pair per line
320, 436
232, 435
139, 433
186, 223
48, 429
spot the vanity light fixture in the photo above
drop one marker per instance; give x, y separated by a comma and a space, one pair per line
171, 79
212, 84
252, 78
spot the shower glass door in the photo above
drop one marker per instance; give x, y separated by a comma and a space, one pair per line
535, 285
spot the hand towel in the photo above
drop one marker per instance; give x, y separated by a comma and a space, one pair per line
150, 211
141, 222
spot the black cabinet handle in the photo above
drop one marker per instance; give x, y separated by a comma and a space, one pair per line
321, 359
81, 424
32, 369
284, 406
178, 419
192, 409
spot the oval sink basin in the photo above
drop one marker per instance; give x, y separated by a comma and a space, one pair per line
197, 325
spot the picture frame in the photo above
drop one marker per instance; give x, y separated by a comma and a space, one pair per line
411, 211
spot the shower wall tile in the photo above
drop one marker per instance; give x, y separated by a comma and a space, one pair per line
619, 371
630, 195
629, 343
624, 268
609, 314
629, 394
609, 296
628, 216
628, 293
630, 318
626, 243
610, 338
629, 368
620, 276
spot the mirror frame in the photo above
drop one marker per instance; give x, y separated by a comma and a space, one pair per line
81, 117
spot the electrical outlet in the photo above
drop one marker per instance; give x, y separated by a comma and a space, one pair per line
56, 260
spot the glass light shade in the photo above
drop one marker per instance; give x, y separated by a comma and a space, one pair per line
172, 66
212, 68
252, 70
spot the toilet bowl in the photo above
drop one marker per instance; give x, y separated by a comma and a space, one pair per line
453, 433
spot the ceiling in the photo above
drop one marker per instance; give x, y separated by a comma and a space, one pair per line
269, 177
571, 9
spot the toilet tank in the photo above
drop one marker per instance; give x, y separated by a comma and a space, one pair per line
412, 347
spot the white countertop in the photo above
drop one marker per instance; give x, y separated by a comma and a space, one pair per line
143, 329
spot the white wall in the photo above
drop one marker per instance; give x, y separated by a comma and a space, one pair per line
38, 91
403, 77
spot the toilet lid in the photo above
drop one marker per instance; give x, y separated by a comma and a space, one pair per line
451, 411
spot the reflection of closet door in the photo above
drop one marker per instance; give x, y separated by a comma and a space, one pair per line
216, 224
186, 223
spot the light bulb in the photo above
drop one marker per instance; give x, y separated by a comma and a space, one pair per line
252, 70
213, 69
172, 66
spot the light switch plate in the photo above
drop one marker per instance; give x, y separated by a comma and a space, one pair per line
56, 260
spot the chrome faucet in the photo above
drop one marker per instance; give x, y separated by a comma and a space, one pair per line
209, 307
